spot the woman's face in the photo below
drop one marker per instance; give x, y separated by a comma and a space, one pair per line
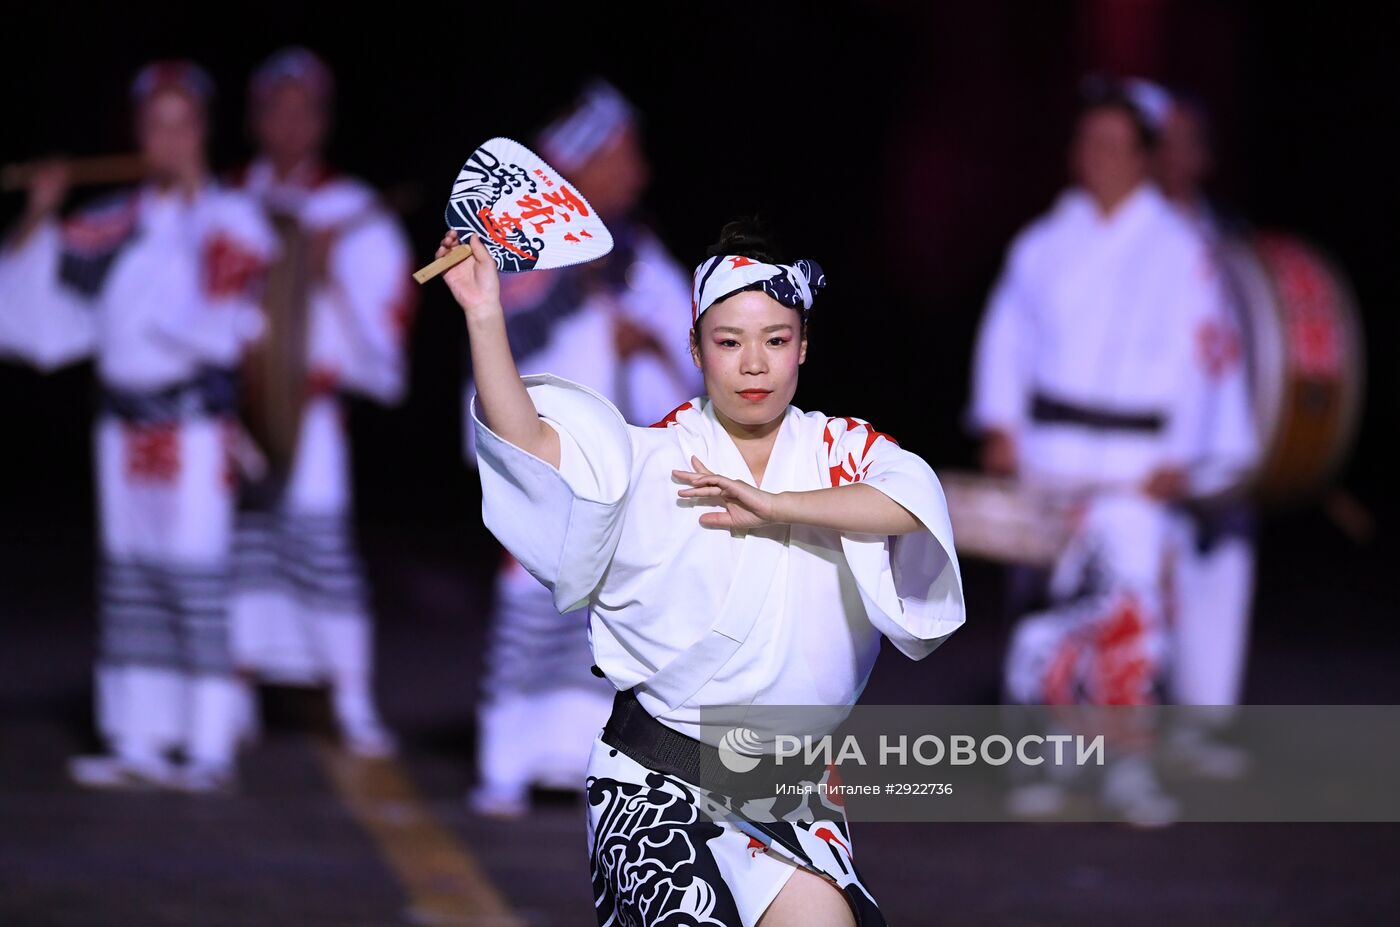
170, 127
749, 351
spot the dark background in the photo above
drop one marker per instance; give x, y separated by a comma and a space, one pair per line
901, 144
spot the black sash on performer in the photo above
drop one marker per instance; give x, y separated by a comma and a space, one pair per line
1047, 410
212, 392
632, 730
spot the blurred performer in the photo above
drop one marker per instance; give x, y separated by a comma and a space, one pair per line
159, 284
338, 306
1213, 557
617, 327
1096, 374
1215, 568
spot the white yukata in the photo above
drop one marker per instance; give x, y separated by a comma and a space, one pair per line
1100, 355
162, 291
301, 611
689, 617
537, 664
1213, 577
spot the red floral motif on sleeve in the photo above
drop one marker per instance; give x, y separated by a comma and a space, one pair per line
229, 268
1218, 347
670, 418
850, 466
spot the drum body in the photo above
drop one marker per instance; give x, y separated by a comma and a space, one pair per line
275, 367
1305, 353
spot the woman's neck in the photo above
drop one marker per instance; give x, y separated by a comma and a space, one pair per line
755, 442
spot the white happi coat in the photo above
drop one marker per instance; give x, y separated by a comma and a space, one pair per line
318, 627
357, 319
1125, 314
159, 288
694, 616
152, 284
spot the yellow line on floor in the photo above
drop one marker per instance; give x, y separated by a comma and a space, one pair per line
444, 883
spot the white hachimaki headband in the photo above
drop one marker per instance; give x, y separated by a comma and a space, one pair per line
793, 285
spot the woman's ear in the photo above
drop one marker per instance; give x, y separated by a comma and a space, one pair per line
802, 348
695, 347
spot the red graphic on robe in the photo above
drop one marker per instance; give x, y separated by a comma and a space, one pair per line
229, 269
152, 452
851, 468
1108, 664
402, 310
1218, 347
670, 418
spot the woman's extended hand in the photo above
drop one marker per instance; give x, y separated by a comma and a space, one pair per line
745, 506
474, 283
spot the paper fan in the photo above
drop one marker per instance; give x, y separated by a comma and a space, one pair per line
527, 214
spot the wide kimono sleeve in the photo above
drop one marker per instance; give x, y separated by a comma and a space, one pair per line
374, 300
1211, 430
44, 321
562, 525
910, 584
237, 246
1003, 356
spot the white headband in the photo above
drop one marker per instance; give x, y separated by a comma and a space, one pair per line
793, 285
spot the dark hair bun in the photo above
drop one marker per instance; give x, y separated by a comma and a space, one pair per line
748, 237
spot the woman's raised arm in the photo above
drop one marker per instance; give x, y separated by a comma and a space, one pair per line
503, 403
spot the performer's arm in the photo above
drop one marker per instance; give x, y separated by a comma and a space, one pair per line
1000, 375
501, 397
48, 187
45, 321
853, 508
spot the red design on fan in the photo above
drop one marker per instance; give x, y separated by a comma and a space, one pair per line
534, 208
756, 847
567, 200
498, 228
670, 418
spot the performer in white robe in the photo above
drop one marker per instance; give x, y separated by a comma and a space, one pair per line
301, 612
1214, 587
829, 536
159, 284
618, 327
1097, 373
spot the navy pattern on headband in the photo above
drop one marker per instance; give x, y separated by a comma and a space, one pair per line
782, 287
